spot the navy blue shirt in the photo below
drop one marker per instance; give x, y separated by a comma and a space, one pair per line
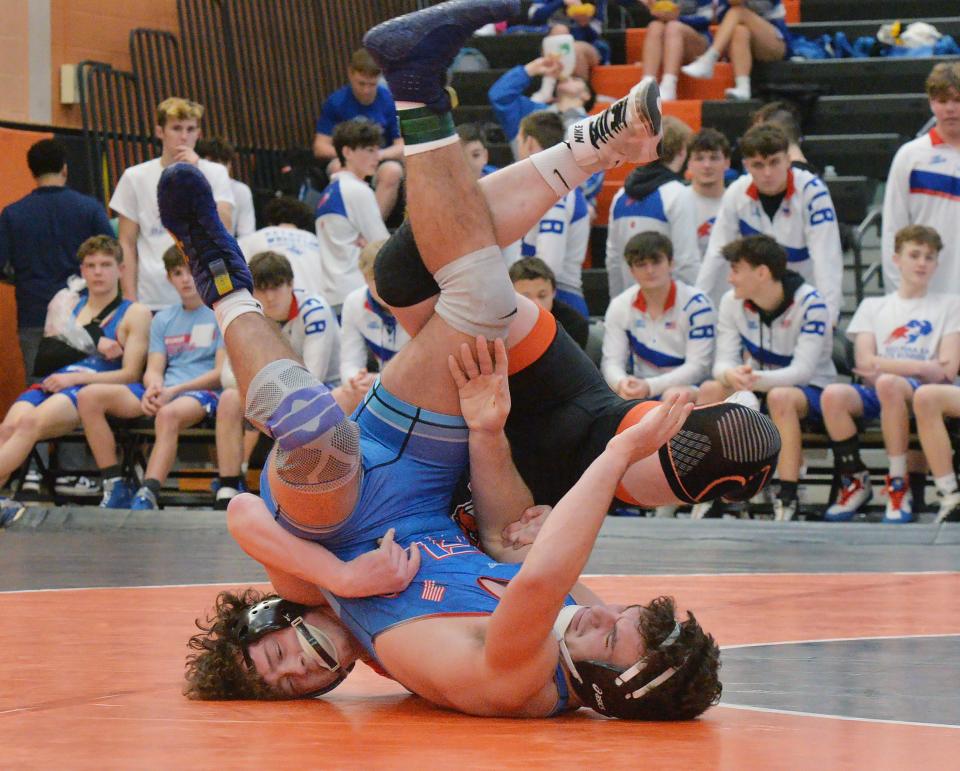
39, 238
342, 106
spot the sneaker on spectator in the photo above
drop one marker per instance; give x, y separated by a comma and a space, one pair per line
31, 482
899, 502
785, 511
74, 485
700, 68
117, 494
737, 94
949, 508
224, 496
144, 500
666, 512
700, 510
10, 511
855, 492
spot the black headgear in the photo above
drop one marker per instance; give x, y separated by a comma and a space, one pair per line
277, 613
612, 691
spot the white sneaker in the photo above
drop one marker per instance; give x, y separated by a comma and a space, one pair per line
628, 131
700, 68
744, 398
77, 486
668, 92
785, 511
666, 512
739, 94
224, 496
700, 510
899, 509
31, 482
855, 492
949, 510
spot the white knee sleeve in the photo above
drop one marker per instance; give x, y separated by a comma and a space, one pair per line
476, 296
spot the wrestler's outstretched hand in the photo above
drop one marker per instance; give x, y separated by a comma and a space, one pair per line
654, 430
521, 533
482, 383
386, 570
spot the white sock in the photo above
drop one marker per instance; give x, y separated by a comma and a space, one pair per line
946, 484
559, 168
898, 466
711, 55
668, 87
742, 83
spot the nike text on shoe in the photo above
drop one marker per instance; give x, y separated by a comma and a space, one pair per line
416, 49
628, 131
188, 211
855, 493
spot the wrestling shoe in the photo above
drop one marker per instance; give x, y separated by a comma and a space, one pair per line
144, 500
855, 493
628, 131
785, 511
188, 211
117, 494
10, 511
416, 49
949, 510
899, 509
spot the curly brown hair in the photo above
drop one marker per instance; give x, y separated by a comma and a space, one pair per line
218, 671
695, 686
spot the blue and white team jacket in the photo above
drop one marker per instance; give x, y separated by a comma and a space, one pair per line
805, 225
669, 210
794, 349
561, 238
923, 188
367, 327
675, 349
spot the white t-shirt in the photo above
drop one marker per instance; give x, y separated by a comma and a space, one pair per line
367, 328
560, 239
244, 218
301, 247
707, 211
347, 218
136, 199
907, 328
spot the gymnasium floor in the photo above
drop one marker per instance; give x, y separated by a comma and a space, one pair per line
841, 650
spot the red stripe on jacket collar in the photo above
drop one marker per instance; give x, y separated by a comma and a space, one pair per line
755, 194
640, 303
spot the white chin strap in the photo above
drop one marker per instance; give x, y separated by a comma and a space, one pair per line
564, 618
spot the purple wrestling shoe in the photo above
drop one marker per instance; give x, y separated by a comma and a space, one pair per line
416, 49
188, 211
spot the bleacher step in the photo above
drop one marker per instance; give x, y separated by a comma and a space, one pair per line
847, 76
834, 10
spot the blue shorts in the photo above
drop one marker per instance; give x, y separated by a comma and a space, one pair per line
574, 300
208, 399
870, 401
36, 396
814, 413
411, 460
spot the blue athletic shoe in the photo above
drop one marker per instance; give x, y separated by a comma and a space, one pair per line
10, 511
188, 211
144, 500
117, 494
415, 50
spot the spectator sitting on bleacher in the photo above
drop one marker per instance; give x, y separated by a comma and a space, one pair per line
364, 97
368, 330
582, 21
143, 237
474, 144
901, 340
659, 335
221, 151
749, 29
290, 231
784, 115
708, 160
924, 181
179, 389
654, 197
120, 330
347, 216
774, 335
533, 278
791, 205
678, 34
310, 328
562, 235
574, 97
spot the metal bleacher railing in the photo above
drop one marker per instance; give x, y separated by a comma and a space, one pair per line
261, 68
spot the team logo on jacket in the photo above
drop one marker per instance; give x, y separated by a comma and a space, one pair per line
910, 332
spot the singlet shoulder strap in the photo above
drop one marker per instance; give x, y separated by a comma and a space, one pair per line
563, 692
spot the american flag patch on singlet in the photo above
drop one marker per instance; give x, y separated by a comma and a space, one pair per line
432, 591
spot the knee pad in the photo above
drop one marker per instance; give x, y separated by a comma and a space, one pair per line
476, 295
723, 451
318, 447
402, 279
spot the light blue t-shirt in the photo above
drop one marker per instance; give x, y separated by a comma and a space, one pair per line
189, 339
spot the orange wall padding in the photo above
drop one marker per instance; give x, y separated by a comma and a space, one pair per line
615, 80
17, 182
792, 7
